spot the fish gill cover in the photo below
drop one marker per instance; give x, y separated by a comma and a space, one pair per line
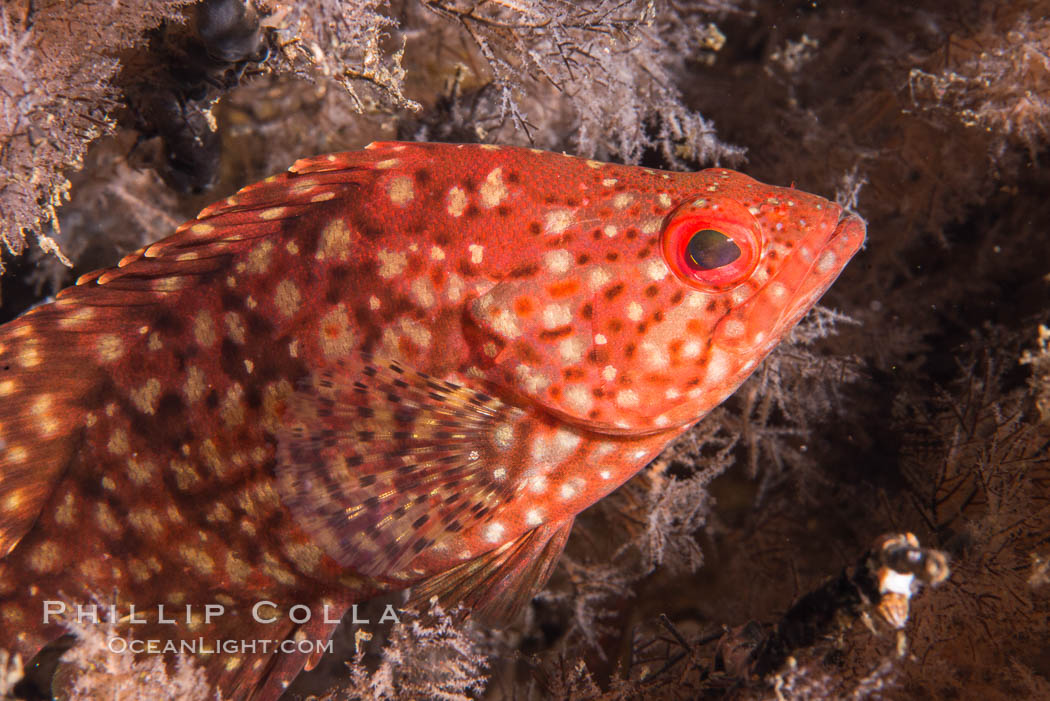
747, 559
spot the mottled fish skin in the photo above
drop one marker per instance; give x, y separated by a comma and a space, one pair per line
408, 365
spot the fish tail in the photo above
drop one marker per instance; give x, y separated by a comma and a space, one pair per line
43, 383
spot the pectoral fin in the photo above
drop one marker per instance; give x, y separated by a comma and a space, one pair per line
499, 584
379, 462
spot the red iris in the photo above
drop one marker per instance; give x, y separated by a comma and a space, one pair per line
711, 244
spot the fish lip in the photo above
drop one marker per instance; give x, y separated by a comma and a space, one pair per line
850, 227
845, 239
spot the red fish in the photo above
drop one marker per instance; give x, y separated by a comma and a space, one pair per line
411, 365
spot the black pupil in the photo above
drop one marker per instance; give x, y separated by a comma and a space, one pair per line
710, 249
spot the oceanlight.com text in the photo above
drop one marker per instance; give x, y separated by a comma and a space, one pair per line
203, 646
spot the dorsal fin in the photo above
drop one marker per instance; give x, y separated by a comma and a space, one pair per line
379, 461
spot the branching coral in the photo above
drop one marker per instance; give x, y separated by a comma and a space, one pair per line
611, 61
56, 64
101, 670
430, 656
344, 41
997, 79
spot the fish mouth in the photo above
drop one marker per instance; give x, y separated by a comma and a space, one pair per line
845, 239
806, 274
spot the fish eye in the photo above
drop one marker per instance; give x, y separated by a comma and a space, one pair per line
709, 249
711, 244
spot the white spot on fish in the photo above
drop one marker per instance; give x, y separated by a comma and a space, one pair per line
454, 288
656, 270
717, 366
655, 357
504, 324
599, 278
652, 225
578, 398
503, 436
777, 290
826, 262
457, 201
610, 230
695, 300
401, 190
145, 397
110, 348
416, 332
476, 253
532, 381
387, 164
493, 190
558, 221
374, 303
635, 311
664, 199
609, 373
494, 531
557, 262
622, 200
609, 182
555, 315
533, 517
391, 263
564, 443
437, 254
627, 398
600, 339
733, 328
571, 349
286, 297
423, 291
